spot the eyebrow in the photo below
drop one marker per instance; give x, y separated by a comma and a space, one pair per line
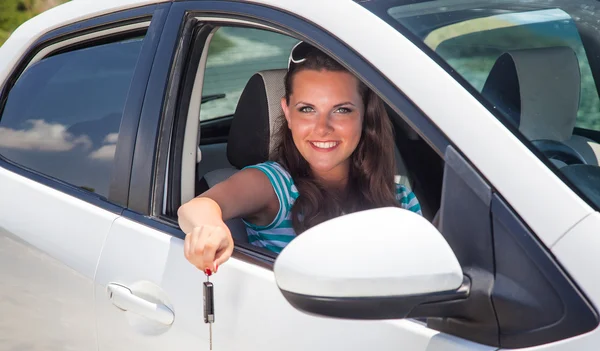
344, 103
338, 105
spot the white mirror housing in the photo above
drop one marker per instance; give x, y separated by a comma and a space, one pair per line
378, 263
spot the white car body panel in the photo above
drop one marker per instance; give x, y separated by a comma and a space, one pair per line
50, 243
250, 312
65, 241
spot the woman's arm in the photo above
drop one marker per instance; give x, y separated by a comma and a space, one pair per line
246, 194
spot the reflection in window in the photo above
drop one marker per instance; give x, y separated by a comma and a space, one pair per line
62, 116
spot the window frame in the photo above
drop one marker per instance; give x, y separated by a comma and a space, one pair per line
99, 30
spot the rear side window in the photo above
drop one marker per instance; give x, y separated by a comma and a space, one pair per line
63, 114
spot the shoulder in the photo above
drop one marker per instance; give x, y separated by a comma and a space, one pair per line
274, 171
270, 167
285, 190
407, 199
280, 179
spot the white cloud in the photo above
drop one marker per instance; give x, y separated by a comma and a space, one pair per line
111, 138
105, 153
42, 136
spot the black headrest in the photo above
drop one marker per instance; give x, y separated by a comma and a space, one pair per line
252, 127
502, 89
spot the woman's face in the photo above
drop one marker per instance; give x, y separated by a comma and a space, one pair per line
325, 115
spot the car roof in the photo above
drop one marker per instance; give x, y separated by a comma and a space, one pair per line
78, 10
62, 15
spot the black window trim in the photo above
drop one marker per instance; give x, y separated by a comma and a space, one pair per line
124, 152
148, 171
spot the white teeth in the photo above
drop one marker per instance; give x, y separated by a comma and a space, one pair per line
325, 145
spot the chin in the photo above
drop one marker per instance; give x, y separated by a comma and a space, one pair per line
323, 167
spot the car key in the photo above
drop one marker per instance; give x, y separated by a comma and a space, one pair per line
209, 305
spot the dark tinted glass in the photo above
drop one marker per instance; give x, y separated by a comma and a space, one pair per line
62, 116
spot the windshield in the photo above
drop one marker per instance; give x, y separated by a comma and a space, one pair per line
537, 62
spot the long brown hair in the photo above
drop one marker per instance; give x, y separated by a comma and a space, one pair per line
372, 166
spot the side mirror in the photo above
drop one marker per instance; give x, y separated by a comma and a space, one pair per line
375, 264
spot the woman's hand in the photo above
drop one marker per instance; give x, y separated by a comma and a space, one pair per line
208, 241
208, 246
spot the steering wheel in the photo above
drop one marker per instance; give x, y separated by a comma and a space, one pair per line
558, 151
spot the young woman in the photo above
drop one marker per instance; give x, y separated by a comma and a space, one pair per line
335, 156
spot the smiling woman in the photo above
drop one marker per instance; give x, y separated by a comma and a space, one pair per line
333, 157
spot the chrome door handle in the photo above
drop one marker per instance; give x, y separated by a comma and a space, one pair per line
122, 297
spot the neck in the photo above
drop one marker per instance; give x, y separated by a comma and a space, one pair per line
335, 179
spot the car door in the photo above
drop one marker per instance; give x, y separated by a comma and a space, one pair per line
61, 122
148, 296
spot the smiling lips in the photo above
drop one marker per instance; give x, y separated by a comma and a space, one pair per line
324, 145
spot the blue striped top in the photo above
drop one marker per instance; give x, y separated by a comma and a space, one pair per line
277, 234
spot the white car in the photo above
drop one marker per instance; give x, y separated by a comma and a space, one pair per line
113, 113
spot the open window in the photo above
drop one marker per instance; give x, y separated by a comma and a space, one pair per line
231, 88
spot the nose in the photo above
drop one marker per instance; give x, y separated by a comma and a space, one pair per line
323, 125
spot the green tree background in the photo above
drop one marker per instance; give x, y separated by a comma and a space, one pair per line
14, 12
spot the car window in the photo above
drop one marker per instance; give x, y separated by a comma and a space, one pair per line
234, 55
533, 62
62, 116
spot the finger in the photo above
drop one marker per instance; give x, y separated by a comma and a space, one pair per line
224, 252
200, 247
197, 247
210, 248
221, 258
186, 245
